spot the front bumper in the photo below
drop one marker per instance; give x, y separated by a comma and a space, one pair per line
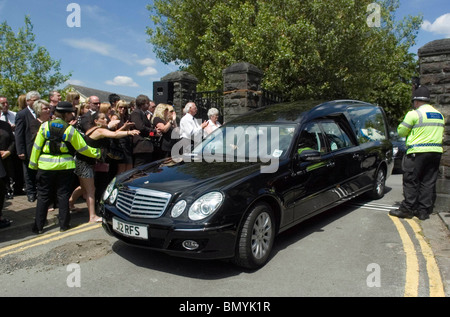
216, 242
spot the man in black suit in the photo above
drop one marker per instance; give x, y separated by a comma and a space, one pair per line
24, 142
142, 146
8, 153
3, 221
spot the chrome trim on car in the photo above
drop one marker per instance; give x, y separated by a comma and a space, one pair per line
204, 229
142, 203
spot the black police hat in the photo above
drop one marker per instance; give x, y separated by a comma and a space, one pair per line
422, 94
65, 106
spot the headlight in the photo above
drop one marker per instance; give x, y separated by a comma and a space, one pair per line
113, 196
109, 189
178, 208
205, 206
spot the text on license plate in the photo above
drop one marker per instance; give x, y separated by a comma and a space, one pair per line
129, 229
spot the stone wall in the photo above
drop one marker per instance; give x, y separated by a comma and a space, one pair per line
184, 87
241, 91
434, 60
241, 86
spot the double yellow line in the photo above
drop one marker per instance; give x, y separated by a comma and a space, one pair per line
46, 238
412, 263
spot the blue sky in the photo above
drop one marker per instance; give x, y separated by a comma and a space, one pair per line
109, 51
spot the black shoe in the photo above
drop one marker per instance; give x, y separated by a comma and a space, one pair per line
422, 215
64, 229
5, 223
401, 214
36, 230
31, 198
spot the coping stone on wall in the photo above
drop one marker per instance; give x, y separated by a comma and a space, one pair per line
437, 47
180, 76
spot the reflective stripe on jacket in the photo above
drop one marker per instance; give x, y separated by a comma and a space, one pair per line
42, 159
424, 129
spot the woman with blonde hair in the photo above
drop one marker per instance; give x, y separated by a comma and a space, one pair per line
84, 108
42, 110
74, 98
121, 111
22, 101
164, 120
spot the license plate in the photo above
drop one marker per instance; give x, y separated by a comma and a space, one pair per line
130, 229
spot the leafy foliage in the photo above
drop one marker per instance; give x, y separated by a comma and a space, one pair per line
306, 48
24, 66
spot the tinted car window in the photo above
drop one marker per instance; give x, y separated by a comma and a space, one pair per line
248, 142
369, 123
336, 136
312, 138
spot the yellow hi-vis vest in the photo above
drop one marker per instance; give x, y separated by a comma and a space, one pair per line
41, 157
424, 129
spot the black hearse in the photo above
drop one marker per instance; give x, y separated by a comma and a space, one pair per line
255, 177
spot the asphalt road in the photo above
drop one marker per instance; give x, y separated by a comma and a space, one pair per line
353, 250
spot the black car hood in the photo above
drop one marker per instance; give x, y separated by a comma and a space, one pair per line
171, 177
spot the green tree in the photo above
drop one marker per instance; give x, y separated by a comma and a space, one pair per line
306, 48
24, 66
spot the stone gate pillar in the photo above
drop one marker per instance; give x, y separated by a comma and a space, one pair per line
184, 87
241, 89
434, 60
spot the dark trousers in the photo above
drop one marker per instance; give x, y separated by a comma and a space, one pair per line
2, 195
49, 183
8, 163
29, 179
419, 182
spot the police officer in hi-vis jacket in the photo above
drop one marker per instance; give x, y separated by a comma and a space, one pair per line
52, 155
423, 128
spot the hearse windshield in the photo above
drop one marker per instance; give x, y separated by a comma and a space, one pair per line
247, 143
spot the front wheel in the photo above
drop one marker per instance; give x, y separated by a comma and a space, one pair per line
379, 185
256, 238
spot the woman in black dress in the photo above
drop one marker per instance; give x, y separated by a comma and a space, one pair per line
125, 145
164, 120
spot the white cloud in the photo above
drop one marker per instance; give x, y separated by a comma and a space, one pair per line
90, 45
147, 61
98, 47
108, 50
440, 26
95, 13
75, 82
122, 81
148, 71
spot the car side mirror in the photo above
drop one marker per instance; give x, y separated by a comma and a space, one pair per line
309, 156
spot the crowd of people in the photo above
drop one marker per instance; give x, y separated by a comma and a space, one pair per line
69, 150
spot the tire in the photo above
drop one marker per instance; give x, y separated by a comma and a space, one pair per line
256, 237
379, 185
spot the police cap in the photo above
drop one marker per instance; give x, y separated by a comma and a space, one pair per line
422, 94
65, 106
